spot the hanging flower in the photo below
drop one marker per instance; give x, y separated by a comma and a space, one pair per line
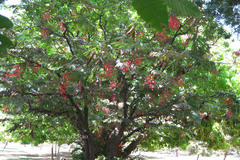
45, 32
173, 23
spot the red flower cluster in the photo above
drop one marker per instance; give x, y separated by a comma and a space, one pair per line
62, 88
139, 33
112, 85
173, 23
97, 107
108, 71
78, 86
215, 72
45, 32
46, 16
185, 43
5, 108
106, 110
228, 103
16, 72
150, 81
229, 113
179, 80
165, 96
113, 98
138, 61
126, 66
60, 24
162, 37
181, 136
203, 115
36, 67
100, 131
140, 113
66, 81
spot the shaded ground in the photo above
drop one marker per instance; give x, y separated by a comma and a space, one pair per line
15, 151
182, 156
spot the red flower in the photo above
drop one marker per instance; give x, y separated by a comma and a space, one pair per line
137, 61
78, 85
229, 113
100, 131
203, 115
162, 37
97, 107
184, 44
108, 70
150, 81
106, 110
126, 66
5, 109
181, 136
139, 33
179, 80
63, 85
8, 74
60, 24
112, 85
46, 16
16, 72
36, 67
173, 23
45, 32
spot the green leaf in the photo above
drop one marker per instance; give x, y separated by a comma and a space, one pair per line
184, 7
153, 12
5, 43
5, 22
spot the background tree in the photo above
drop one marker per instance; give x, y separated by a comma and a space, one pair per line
99, 67
225, 12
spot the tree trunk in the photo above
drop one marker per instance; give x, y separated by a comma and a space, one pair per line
198, 157
131, 147
113, 146
58, 154
5, 145
89, 148
177, 152
52, 152
225, 155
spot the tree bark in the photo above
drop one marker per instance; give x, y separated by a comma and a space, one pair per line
113, 146
131, 147
58, 154
89, 148
5, 145
198, 157
225, 155
52, 152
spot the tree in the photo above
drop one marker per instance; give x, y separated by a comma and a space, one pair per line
99, 66
225, 12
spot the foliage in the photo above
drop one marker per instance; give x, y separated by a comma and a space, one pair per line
4, 41
97, 70
224, 12
150, 10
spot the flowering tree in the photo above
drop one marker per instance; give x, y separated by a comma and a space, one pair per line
114, 78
